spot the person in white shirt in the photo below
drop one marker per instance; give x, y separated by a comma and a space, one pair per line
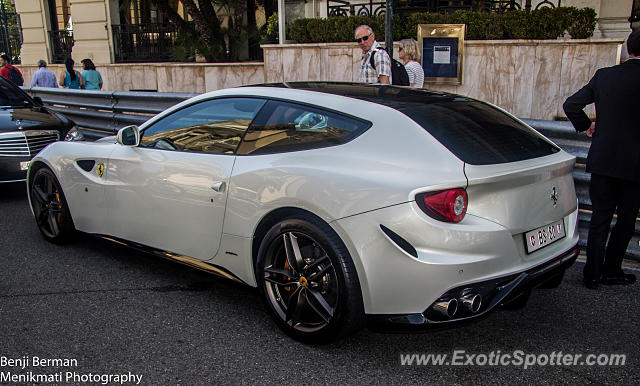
410, 56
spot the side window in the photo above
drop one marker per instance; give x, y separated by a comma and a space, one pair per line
213, 126
283, 127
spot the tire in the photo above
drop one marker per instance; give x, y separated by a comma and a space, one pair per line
50, 207
308, 281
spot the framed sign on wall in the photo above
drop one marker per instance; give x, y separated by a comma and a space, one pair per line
442, 49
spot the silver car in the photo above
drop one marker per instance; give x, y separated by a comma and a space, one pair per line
345, 204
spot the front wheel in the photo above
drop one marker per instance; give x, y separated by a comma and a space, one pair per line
308, 281
50, 206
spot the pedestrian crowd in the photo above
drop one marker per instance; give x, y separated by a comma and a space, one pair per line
89, 79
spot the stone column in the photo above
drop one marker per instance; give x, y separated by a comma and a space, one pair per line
322, 8
34, 31
91, 31
613, 20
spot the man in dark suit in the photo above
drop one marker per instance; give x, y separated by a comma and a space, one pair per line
613, 161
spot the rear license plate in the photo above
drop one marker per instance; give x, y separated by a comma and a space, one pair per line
543, 236
24, 165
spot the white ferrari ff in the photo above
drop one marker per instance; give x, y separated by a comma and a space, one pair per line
345, 204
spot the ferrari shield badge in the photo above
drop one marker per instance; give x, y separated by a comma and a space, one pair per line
100, 169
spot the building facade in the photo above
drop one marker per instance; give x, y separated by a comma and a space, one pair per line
107, 31
127, 31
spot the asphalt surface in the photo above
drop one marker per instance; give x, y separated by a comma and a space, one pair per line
118, 311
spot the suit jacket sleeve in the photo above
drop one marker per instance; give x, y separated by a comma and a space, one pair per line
575, 104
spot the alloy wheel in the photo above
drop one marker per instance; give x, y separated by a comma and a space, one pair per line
48, 205
301, 282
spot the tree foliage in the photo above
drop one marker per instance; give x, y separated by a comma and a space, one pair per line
13, 30
12, 22
214, 29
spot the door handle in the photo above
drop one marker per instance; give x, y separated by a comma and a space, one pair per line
219, 186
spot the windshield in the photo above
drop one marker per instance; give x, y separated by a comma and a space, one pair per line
10, 97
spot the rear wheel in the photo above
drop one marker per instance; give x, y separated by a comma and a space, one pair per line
50, 206
308, 281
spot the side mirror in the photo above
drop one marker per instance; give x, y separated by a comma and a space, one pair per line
129, 136
38, 101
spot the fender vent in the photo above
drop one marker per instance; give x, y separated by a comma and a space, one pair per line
86, 164
402, 243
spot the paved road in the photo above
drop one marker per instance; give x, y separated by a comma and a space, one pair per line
117, 311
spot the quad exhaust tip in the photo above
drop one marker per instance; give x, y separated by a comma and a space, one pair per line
447, 308
471, 302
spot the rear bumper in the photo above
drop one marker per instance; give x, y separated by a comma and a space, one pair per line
398, 281
496, 292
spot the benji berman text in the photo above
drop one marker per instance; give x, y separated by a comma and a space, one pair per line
27, 361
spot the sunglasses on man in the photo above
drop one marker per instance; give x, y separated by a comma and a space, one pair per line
363, 39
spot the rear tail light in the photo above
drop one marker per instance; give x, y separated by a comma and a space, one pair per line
444, 205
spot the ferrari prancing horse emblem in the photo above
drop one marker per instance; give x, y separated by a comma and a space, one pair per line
554, 196
100, 169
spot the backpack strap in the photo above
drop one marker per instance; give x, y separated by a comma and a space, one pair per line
373, 54
371, 59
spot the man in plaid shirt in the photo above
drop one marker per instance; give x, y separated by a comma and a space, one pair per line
367, 41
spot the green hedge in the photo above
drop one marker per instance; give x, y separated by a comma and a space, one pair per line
544, 23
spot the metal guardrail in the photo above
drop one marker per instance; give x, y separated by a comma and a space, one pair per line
104, 112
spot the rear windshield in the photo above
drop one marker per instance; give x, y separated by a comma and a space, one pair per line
477, 133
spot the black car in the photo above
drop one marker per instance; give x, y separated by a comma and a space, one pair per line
26, 127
